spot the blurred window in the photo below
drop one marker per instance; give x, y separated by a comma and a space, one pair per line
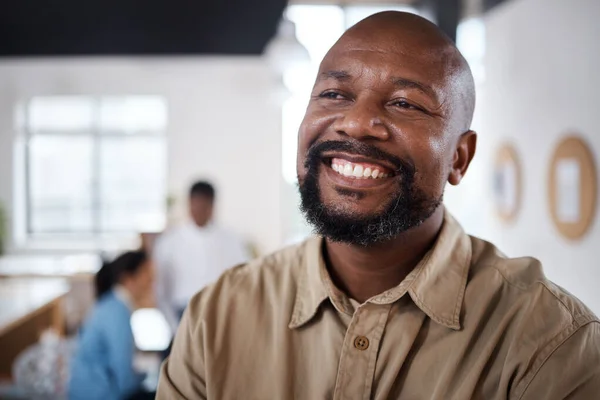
95, 165
470, 39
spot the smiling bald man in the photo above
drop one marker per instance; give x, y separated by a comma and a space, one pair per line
392, 300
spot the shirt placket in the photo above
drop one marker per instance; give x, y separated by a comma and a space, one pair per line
359, 353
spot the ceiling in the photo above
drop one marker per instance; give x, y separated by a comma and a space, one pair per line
139, 27
161, 27
353, 2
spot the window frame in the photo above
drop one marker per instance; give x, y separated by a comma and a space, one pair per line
97, 135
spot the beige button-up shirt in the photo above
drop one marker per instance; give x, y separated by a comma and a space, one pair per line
466, 323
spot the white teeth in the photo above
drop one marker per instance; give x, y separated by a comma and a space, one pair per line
348, 170
358, 171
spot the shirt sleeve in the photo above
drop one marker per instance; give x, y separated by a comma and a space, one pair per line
571, 371
121, 349
163, 282
183, 374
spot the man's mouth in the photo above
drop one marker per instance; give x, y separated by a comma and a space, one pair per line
359, 169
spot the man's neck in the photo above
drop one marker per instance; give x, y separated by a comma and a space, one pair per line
363, 272
203, 226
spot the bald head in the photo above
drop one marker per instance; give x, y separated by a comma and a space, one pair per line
420, 42
391, 22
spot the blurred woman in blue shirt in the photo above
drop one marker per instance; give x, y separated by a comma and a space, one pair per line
102, 367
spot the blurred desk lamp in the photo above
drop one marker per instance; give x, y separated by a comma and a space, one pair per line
284, 53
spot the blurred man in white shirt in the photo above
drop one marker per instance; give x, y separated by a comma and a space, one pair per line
193, 255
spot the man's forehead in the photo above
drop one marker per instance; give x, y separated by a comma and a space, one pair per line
378, 55
353, 62
393, 41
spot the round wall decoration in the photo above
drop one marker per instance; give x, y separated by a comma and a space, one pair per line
573, 187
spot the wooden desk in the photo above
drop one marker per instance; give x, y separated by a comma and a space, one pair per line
49, 266
28, 306
79, 269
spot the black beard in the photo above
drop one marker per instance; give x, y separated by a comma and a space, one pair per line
408, 208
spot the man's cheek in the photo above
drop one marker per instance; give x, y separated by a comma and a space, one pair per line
437, 147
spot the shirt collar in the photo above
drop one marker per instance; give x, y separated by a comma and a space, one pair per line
436, 285
209, 227
311, 289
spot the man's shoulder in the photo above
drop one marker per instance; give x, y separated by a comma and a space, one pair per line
110, 307
173, 232
532, 317
227, 235
272, 268
521, 286
273, 275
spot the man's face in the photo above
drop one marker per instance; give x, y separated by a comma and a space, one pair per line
377, 142
201, 209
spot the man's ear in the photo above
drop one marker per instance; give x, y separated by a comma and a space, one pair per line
465, 150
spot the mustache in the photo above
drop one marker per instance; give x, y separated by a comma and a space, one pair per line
316, 151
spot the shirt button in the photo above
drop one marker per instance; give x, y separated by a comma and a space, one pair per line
361, 343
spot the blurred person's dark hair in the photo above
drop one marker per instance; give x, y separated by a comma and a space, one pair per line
111, 272
203, 188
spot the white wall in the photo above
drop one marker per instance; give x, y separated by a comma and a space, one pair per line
542, 80
223, 125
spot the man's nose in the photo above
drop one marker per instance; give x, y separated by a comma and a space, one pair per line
362, 120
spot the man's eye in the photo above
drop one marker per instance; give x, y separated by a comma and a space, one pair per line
331, 95
405, 105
